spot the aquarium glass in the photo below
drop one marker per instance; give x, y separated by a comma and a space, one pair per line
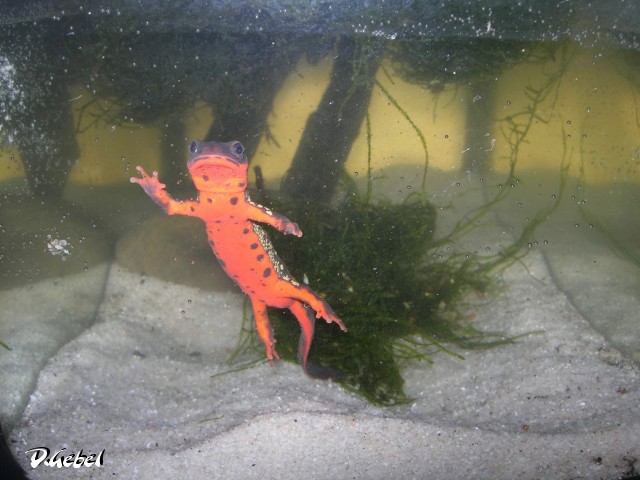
461, 184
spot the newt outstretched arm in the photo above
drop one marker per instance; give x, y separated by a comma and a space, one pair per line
261, 214
156, 191
219, 172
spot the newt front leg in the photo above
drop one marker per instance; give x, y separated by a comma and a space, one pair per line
258, 213
156, 191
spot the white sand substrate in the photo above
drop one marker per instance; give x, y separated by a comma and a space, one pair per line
138, 384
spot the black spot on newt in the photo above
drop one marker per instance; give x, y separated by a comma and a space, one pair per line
267, 272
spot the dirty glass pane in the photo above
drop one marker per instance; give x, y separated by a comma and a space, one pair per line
425, 218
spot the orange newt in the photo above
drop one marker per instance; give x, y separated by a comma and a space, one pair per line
219, 172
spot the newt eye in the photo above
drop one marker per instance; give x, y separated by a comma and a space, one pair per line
238, 149
193, 148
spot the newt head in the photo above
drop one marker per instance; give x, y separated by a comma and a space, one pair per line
218, 167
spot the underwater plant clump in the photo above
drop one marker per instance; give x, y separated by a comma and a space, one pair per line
372, 263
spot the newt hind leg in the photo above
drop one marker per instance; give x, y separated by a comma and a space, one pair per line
265, 330
317, 303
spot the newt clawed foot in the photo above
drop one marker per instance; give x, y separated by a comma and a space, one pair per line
271, 354
291, 228
150, 184
330, 317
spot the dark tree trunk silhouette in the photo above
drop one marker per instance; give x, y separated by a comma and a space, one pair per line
332, 128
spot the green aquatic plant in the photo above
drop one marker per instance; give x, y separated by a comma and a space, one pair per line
381, 269
373, 263
417, 131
